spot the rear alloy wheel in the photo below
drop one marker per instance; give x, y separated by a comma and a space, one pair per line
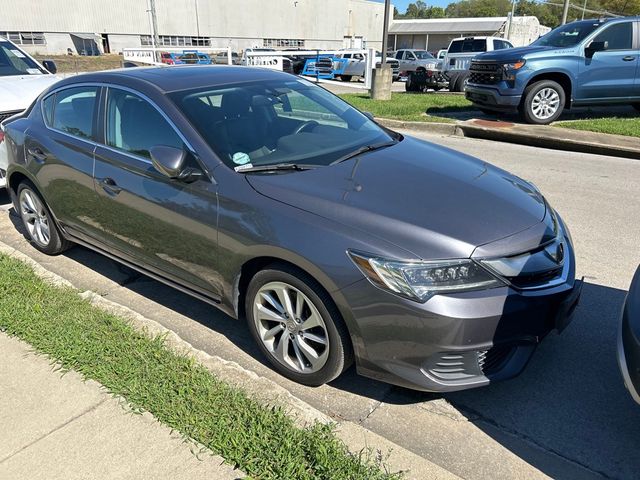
298, 330
37, 220
543, 102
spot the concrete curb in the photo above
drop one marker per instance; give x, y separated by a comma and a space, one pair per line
426, 127
558, 139
531, 135
356, 437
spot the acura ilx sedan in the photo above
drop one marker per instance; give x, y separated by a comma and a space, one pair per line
265, 195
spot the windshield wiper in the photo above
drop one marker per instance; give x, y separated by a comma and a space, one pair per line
364, 149
273, 167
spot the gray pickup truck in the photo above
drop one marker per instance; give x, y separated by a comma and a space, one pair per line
421, 70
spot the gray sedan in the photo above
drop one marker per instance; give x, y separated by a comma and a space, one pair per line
338, 240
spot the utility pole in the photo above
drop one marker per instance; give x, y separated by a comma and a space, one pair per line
565, 12
154, 27
197, 19
382, 76
385, 30
513, 11
584, 7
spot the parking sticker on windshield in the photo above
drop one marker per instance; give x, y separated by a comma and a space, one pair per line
241, 158
18, 53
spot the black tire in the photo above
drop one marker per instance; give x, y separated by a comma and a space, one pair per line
453, 79
346, 78
56, 243
461, 82
531, 93
340, 352
410, 84
636, 106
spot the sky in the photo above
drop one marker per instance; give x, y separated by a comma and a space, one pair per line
401, 5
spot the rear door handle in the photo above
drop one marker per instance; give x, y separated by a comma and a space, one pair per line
110, 186
37, 154
628, 58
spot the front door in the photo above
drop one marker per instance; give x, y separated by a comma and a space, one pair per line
611, 73
166, 225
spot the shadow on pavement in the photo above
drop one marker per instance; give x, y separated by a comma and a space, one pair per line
570, 400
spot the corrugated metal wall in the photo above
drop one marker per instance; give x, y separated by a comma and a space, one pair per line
304, 19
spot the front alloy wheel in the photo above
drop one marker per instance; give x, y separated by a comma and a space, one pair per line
290, 327
297, 326
543, 102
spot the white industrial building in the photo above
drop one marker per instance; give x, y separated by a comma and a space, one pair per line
92, 26
436, 33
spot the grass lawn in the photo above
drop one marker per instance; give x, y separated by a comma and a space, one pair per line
409, 106
264, 442
78, 63
629, 126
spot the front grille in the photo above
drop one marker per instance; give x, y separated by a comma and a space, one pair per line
492, 360
528, 281
5, 115
485, 73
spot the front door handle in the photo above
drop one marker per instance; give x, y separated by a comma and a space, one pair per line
110, 186
37, 154
628, 58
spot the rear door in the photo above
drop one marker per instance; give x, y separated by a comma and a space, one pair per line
611, 73
62, 146
164, 225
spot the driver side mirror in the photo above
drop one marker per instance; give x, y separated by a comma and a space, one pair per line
170, 162
50, 66
595, 47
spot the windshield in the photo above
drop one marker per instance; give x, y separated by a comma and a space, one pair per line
15, 62
278, 121
568, 35
423, 55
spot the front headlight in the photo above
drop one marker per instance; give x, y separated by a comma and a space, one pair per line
421, 280
517, 65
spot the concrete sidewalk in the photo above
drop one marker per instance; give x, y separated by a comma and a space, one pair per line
55, 426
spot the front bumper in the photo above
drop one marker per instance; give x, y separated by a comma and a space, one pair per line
456, 341
491, 98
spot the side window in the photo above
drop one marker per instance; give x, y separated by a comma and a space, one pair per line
47, 109
135, 126
619, 36
399, 55
73, 111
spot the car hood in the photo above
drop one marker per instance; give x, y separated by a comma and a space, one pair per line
18, 91
431, 201
508, 54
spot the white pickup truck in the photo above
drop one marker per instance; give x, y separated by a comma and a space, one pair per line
461, 51
22, 79
355, 65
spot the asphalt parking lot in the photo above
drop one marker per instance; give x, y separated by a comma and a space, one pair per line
567, 416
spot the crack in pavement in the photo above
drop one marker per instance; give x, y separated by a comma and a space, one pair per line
53, 430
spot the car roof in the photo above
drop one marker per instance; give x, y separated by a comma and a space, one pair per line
182, 77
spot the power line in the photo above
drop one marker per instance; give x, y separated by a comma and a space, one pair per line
598, 12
